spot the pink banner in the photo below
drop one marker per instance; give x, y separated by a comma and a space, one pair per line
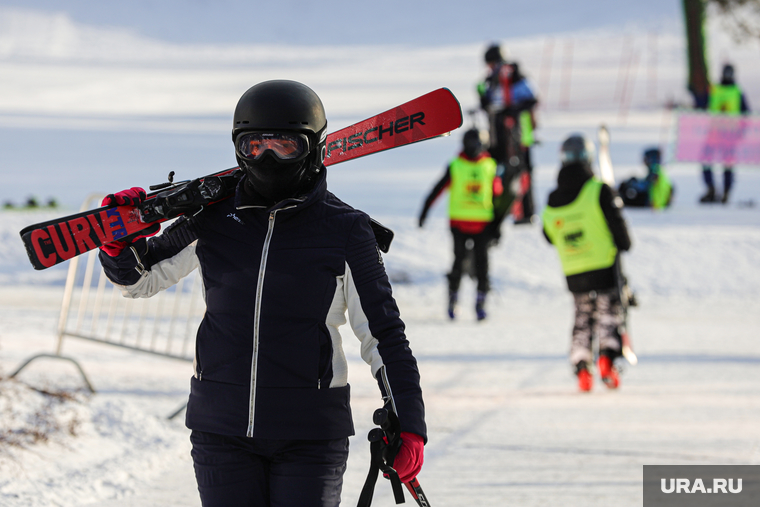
716, 138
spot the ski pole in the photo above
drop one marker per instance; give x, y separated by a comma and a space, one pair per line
385, 443
416, 490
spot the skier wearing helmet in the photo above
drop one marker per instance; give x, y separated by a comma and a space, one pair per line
282, 263
583, 220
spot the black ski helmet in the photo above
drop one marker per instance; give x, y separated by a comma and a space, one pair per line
493, 54
577, 149
285, 107
474, 143
727, 74
652, 156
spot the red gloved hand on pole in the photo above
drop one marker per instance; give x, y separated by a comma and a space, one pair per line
408, 461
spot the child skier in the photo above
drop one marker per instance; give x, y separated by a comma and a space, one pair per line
660, 186
472, 183
655, 191
583, 220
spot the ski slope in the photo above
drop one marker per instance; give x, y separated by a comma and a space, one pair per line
506, 423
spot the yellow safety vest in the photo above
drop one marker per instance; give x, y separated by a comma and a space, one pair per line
471, 189
526, 129
725, 99
659, 192
580, 232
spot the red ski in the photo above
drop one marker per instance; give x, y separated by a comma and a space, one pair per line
432, 115
49, 243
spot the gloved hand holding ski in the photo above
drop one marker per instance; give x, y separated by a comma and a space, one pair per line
49, 243
130, 197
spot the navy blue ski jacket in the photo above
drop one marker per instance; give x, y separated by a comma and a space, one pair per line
278, 282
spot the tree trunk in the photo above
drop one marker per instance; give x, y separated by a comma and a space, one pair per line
694, 20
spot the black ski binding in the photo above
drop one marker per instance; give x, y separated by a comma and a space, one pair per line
187, 197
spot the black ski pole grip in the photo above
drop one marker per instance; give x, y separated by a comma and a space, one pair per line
380, 416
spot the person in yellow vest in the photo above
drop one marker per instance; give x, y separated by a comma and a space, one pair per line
661, 187
472, 183
655, 191
726, 98
583, 220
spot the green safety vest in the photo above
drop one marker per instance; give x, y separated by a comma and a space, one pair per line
580, 233
659, 192
471, 189
526, 129
725, 99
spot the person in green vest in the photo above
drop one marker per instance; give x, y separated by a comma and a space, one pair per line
583, 220
725, 98
472, 184
655, 191
660, 185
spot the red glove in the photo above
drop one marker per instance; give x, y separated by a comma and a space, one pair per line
408, 461
129, 197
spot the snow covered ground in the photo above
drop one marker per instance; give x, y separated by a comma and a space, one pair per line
506, 424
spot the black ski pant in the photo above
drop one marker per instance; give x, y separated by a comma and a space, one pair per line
505, 138
527, 199
479, 247
728, 177
251, 472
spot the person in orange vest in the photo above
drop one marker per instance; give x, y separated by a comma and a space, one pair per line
726, 98
472, 183
583, 220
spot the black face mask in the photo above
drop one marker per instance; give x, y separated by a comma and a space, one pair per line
276, 180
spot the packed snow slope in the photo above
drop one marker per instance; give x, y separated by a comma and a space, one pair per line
95, 109
506, 422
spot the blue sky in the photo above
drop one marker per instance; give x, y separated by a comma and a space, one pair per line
423, 22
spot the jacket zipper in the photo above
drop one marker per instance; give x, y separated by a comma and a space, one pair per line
256, 322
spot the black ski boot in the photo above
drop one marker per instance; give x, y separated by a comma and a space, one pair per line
709, 196
453, 298
480, 303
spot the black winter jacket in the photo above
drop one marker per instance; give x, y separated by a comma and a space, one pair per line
570, 181
277, 283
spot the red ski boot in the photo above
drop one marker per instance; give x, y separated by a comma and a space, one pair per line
585, 380
608, 373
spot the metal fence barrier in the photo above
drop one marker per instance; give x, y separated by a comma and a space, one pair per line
94, 309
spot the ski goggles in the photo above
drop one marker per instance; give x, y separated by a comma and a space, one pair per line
287, 147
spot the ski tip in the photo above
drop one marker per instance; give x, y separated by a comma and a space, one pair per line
459, 104
630, 356
603, 134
